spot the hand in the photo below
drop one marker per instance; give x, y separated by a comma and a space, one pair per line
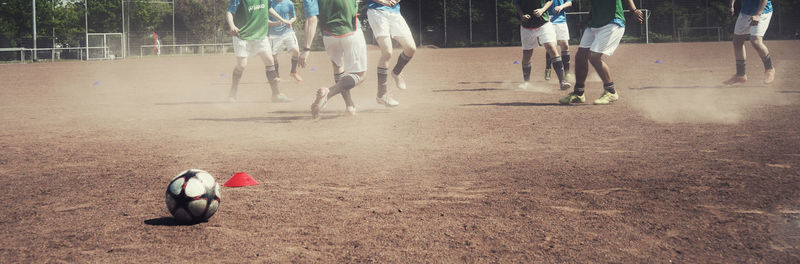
754, 20
235, 31
538, 12
637, 14
731, 10
525, 18
390, 3
557, 9
303, 60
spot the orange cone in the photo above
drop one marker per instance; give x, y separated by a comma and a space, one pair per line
240, 179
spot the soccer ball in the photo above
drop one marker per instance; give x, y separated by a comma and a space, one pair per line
193, 196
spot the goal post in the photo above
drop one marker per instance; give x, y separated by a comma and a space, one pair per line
105, 46
690, 34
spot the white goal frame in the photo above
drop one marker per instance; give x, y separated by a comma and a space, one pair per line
105, 46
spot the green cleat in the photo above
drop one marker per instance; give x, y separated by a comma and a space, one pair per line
547, 74
572, 99
607, 98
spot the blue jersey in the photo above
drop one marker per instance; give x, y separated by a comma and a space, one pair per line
750, 7
373, 5
285, 9
558, 17
311, 7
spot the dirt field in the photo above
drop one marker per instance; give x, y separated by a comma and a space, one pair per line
467, 169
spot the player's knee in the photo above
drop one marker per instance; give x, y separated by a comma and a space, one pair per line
386, 54
595, 57
410, 50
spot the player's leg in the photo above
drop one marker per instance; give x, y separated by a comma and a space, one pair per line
565, 58
338, 73
606, 42
740, 32
383, 96
581, 69
402, 34
264, 52
529, 41
294, 48
350, 52
757, 40
241, 52
548, 65
547, 35
275, 46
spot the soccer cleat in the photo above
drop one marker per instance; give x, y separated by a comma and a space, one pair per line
387, 100
524, 85
736, 79
547, 74
281, 98
319, 102
606, 98
769, 76
565, 85
351, 110
399, 81
278, 79
573, 99
296, 77
231, 99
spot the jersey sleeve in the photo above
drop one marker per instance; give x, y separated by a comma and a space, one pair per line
293, 13
311, 7
233, 5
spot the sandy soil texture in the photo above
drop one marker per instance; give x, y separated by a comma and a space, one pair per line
467, 169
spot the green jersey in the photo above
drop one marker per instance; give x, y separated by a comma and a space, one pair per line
527, 7
251, 17
338, 17
605, 12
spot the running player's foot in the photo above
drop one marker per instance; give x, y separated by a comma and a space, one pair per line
573, 99
399, 81
569, 77
296, 77
319, 102
231, 99
387, 100
351, 110
547, 74
523, 86
281, 98
565, 85
278, 79
769, 76
736, 79
606, 98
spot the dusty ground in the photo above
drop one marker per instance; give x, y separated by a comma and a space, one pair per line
467, 169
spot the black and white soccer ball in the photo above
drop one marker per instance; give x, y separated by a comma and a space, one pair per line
193, 196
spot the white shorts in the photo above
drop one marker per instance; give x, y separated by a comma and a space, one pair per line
537, 36
562, 31
387, 24
243, 48
348, 51
743, 26
287, 41
604, 39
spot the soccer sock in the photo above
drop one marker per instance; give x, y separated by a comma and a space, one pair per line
578, 89
277, 73
565, 58
346, 83
559, 67
609, 87
740, 67
548, 61
236, 76
272, 74
767, 62
526, 72
401, 63
383, 73
294, 64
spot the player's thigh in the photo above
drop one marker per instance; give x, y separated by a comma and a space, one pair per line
333, 48
763, 25
260, 46
607, 39
379, 23
354, 52
399, 27
528, 38
291, 42
742, 26
276, 44
546, 34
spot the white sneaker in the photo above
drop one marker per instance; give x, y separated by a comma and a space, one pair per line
351, 110
231, 99
399, 81
387, 100
320, 102
565, 85
523, 86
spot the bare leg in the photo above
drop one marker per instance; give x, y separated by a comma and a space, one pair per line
763, 52
581, 67
741, 56
600, 66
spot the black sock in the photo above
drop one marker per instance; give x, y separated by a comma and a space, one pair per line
272, 74
559, 67
740, 66
236, 76
294, 65
275, 61
346, 83
526, 72
565, 58
578, 89
383, 73
767, 62
401, 63
548, 61
338, 76
609, 87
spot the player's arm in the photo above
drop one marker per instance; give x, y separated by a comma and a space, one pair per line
637, 14
730, 8
310, 30
389, 3
275, 14
294, 17
757, 17
540, 11
562, 6
522, 16
232, 6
